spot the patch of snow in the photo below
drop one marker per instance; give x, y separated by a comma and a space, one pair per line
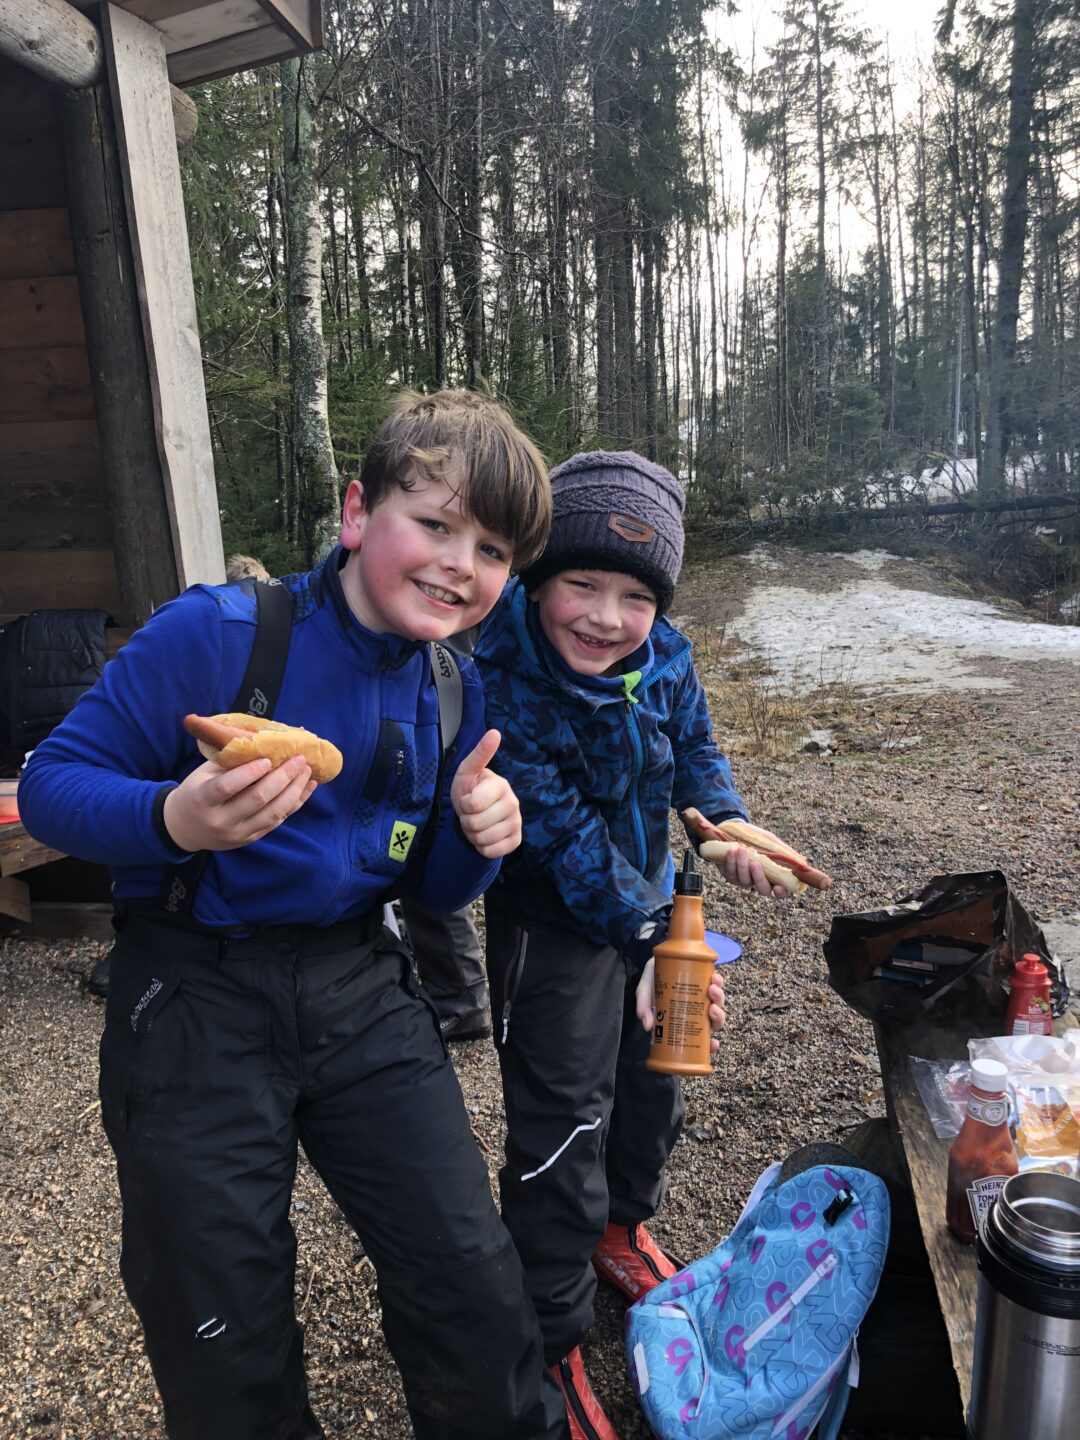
869, 632
765, 558
872, 560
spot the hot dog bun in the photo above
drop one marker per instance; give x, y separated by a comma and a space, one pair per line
781, 864
231, 740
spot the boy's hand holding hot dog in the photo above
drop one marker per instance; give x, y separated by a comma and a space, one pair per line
218, 809
754, 858
486, 807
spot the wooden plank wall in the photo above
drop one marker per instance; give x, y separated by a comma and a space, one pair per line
55, 535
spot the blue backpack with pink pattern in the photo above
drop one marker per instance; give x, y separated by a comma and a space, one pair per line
756, 1341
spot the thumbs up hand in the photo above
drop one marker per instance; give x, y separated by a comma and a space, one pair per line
486, 807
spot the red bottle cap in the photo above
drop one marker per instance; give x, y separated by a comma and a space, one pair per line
1032, 968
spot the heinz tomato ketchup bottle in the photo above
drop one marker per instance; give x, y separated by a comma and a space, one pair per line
983, 1147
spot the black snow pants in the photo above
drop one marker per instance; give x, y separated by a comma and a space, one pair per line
589, 1129
218, 1058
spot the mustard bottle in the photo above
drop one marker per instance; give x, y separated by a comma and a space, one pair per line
683, 971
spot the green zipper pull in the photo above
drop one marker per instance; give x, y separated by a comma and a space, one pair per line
629, 680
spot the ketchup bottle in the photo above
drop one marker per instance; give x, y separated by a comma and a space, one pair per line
983, 1147
683, 971
1029, 999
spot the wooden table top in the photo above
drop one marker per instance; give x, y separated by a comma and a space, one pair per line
953, 1264
20, 851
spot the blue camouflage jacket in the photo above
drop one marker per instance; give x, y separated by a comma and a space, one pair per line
96, 787
597, 764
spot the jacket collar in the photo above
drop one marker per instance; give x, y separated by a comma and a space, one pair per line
328, 594
513, 637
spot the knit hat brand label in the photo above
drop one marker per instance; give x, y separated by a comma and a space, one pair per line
401, 838
630, 529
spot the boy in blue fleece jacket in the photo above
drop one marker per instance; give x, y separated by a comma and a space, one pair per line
255, 999
605, 728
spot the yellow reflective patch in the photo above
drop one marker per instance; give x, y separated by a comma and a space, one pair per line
401, 838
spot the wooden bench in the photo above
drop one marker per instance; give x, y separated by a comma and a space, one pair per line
19, 851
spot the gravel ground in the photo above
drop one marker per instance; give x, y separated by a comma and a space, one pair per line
992, 782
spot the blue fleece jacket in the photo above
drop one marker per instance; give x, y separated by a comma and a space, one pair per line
597, 764
95, 788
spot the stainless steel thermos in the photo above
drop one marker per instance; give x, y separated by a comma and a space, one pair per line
1026, 1377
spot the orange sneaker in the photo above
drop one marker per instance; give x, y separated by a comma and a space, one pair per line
587, 1420
630, 1259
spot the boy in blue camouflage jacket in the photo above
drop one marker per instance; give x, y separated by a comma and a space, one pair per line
605, 728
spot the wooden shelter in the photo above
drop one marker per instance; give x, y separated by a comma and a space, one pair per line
107, 493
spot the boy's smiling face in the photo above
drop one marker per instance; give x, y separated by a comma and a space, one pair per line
420, 567
595, 618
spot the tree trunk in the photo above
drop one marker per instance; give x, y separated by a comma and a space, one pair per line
313, 452
1014, 216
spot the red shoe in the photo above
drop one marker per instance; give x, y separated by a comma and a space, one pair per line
630, 1259
587, 1420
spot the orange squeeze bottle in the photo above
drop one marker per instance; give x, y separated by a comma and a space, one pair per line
684, 968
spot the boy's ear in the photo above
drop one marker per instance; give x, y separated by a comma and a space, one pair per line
353, 516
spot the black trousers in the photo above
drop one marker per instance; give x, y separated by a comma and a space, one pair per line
218, 1058
589, 1129
448, 956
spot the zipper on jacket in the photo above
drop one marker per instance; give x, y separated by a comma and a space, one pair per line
399, 763
573, 1400
517, 969
635, 799
639, 759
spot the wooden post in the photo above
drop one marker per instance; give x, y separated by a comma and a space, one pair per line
123, 404
55, 41
139, 85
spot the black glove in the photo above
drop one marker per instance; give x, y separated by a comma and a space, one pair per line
639, 951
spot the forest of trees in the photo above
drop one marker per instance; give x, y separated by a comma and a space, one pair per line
774, 258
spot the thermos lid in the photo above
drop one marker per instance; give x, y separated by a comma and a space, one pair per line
688, 879
1038, 1215
989, 1075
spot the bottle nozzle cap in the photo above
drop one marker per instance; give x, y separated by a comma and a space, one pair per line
989, 1075
688, 879
1033, 967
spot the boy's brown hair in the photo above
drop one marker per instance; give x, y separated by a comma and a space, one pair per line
502, 474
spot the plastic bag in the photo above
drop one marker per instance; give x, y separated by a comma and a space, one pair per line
1044, 1094
943, 1088
974, 912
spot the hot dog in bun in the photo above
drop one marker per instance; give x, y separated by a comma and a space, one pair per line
780, 863
231, 740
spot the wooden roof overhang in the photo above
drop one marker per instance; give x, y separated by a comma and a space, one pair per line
206, 38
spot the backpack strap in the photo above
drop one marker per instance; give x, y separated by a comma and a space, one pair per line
261, 685
451, 693
257, 695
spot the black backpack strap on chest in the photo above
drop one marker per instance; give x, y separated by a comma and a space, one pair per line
257, 695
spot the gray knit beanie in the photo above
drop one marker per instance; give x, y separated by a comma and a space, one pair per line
614, 510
